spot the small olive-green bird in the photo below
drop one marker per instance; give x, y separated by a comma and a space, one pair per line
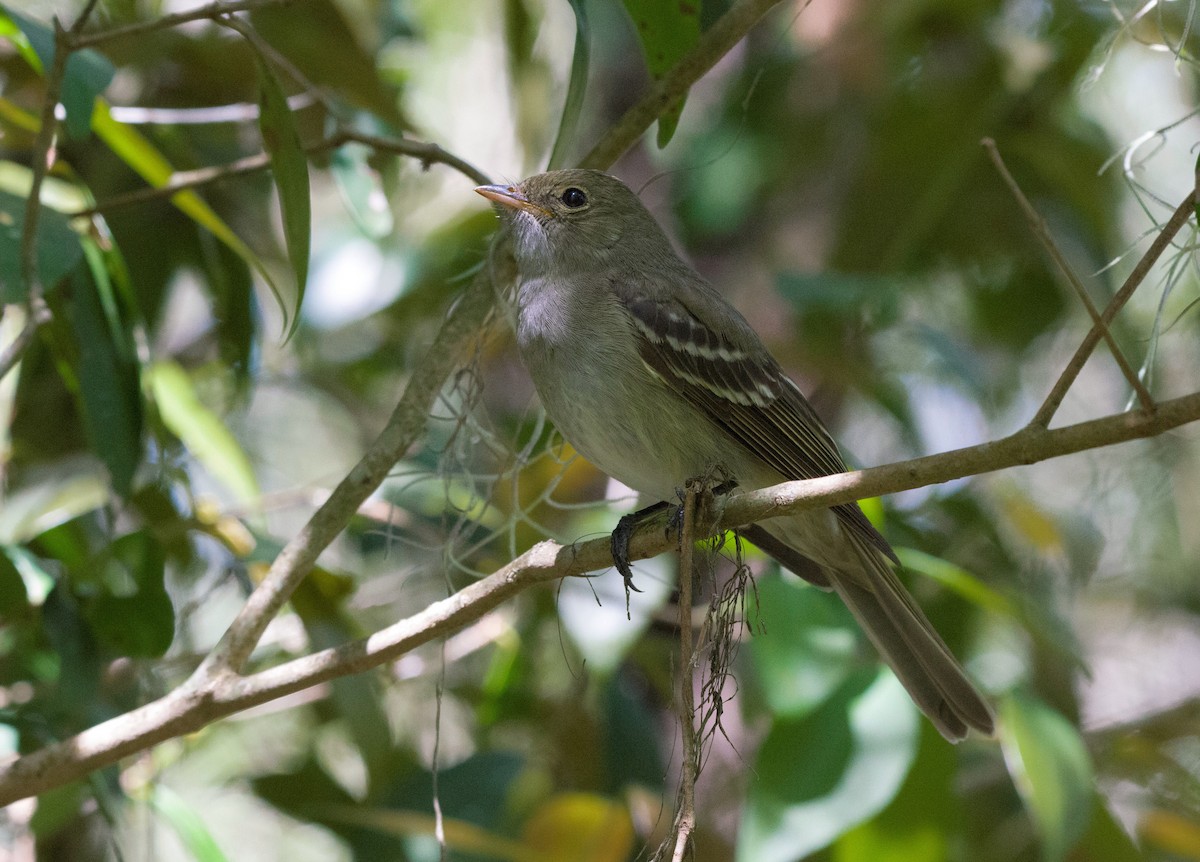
656, 379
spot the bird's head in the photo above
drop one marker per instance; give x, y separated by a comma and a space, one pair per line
574, 219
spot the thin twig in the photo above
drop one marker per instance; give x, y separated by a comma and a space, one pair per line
1040, 229
40, 164
189, 708
211, 11
1178, 219
426, 153
39, 314
215, 689
715, 43
685, 817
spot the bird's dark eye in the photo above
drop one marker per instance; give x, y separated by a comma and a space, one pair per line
574, 198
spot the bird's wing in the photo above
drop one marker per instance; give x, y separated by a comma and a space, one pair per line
740, 386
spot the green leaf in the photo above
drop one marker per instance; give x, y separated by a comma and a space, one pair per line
57, 248
187, 823
134, 614
1050, 765
109, 385
200, 430
146, 161
65, 492
667, 29
959, 580
87, 74
921, 822
290, 167
14, 600
817, 777
568, 124
361, 190
805, 645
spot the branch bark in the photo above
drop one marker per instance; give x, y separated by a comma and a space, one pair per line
190, 708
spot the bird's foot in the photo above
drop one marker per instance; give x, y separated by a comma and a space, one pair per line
621, 537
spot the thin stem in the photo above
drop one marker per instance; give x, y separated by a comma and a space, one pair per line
426, 153
1178, 219
190, 708
141, 28
1042, 232
685, 819
715, 43
38, 315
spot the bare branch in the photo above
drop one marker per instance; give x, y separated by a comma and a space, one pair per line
212, 696
1178, 219
685, 816
714, 44
211, 11
1038, 225
426, 153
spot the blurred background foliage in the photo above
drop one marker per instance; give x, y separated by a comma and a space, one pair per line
161, 439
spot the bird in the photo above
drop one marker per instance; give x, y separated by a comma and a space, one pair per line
655, 378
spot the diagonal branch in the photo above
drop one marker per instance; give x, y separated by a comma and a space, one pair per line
407, 422
1178, 219
1038, 224
714, 44
188, 709
141, 28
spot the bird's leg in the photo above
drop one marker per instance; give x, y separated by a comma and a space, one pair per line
624, 531
628, 525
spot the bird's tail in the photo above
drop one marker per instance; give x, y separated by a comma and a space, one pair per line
904, 636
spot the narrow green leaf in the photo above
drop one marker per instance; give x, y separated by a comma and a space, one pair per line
109, 384
290, 167
88, 73
817, 777
667, 29
200, 430
959, 580
147, 162
1050, 765
64, 492
57, 248
568, 124
187, 823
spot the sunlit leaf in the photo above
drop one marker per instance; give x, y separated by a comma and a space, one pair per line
804, 647
290, 167
920, 824
60, 496
816, 777
580, 827
187, 823
1051, 768
200, 430
667, 30
143, 157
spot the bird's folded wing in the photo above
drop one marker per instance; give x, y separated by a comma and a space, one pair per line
743, 390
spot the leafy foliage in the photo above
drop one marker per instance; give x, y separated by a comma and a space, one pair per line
162, 438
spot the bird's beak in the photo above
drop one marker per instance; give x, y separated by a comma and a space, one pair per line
511, 196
